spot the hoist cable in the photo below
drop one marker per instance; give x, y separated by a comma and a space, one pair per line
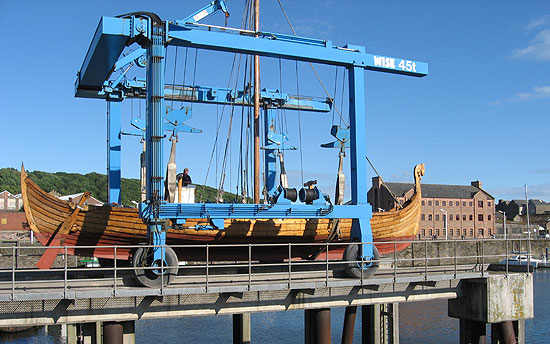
335, 82
174, 76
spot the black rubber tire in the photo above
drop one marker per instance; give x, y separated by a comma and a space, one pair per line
353, 269
148, 278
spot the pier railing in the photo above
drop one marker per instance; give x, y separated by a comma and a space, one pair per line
422, 263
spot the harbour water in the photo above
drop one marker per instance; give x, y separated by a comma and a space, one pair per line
420, 322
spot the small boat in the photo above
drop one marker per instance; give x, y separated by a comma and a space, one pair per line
57, 222
522, 259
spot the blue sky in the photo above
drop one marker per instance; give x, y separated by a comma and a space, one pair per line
481, 113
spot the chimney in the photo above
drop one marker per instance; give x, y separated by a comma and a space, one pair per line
476, 184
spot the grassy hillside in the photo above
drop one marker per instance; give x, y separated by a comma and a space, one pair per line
71, 183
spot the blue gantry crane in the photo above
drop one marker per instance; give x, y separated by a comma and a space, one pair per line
154, 35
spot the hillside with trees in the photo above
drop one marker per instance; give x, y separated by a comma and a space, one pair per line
96, 183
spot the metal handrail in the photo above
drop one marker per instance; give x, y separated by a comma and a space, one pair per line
290, 269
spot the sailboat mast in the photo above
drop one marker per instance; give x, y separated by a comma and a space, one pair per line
256, 109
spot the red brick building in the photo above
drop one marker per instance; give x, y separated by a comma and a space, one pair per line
468, 209
13, 221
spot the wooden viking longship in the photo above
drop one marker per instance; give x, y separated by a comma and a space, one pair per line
56, 222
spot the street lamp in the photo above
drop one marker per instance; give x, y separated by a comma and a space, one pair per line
446, 222
504, 214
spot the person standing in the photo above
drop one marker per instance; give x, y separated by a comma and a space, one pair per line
185, 177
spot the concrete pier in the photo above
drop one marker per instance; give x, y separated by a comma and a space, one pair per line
380, 324
500, 301
241, 328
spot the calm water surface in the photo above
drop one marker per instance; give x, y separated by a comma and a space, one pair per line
420, 322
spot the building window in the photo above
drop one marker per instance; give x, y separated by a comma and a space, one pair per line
437, 232
437, 217
470, 203
429, 217
423, 232
471, 232
463, 217
429, 203
11, 203
489, 231
444, 203
457, 217
451, 232
423, 202
489, 217
463, 203
431, 232
480, 232
471, 217
437, 203
1, 204
488, 203
480, 204
450, 218
457, 203
4, 221
423, 217
464, 232
480, 217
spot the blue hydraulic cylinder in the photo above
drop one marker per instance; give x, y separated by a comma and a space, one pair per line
113, 151
270, 160
358, 152
154, 132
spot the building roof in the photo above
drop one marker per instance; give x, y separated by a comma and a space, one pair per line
538, 202
76, 197
519, 201
10, 194
437, 190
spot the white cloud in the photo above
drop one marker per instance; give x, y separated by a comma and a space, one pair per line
535, 23
536, 191
538, 48
536, 93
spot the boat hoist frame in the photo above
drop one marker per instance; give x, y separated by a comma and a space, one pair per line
154, 35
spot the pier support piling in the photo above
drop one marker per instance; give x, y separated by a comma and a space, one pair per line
101, 333
317, 326
113, 333
349, 325
472, 332
241, 328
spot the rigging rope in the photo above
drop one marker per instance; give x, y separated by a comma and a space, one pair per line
311, 65
382, 180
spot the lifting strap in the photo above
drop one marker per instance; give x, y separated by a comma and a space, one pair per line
283, 177
170, 183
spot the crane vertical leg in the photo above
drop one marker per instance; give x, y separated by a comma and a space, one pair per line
360, 229
154, 134
113, 151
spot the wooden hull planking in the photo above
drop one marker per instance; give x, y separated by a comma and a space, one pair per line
109, 226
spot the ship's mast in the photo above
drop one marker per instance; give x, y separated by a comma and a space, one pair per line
256, 109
